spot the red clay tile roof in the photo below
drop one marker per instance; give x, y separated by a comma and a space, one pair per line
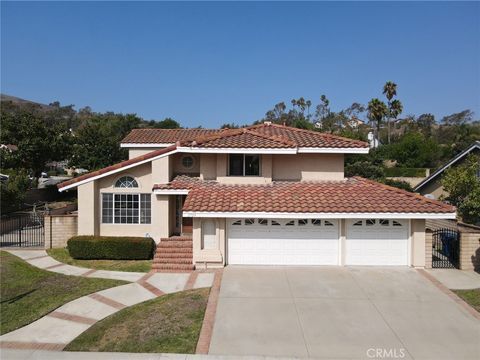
119, 165
257, 136
165, 136
353, 195
242, 138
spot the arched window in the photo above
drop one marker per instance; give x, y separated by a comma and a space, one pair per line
126, 182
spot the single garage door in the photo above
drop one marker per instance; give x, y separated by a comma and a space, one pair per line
282, 242
376, 242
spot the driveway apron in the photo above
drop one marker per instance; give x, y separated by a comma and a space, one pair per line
339, 312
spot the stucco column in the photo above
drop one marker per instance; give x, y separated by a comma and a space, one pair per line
88, 205
417, 233
160, 217
162, 170
428, 248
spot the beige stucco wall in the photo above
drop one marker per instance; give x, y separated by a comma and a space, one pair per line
276, 167
178, 168
208, 166
132, 153
417, 234
428, 248
209, 258
89, 203
308, 167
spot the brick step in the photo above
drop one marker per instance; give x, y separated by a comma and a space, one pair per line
176, 238
170, 267
173, 255
172, 261
168, 250
179, 244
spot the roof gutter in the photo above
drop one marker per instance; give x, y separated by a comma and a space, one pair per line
291, 215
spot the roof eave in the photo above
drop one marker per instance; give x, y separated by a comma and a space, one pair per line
323, 215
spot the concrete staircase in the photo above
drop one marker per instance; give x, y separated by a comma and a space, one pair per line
174, 254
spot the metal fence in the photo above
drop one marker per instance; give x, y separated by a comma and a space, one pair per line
24, 229
446, 248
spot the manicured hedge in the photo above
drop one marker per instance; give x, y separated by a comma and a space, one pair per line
111, 247
405, 172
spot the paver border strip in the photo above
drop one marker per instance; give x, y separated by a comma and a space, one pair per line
110, 302
70, 317
203, 344
191, 280
450, 294
31, 346
154, 290
89, 272
54, 266
35, 258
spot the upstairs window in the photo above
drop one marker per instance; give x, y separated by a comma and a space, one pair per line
243, 165
126, 182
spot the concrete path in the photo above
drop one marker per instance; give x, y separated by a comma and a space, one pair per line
41, 259
456, 279
60, 327
10, 354
341, 313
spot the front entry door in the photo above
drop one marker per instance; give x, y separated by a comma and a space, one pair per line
182, 225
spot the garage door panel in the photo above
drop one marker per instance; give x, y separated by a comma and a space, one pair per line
280, 244
376, 242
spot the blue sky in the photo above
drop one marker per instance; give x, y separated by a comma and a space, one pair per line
211, 63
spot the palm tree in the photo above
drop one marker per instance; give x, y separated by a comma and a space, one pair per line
389, 90
377, 110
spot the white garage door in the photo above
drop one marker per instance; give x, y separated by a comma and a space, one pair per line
376, 242
282, 242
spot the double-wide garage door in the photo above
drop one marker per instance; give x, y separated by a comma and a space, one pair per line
316, 242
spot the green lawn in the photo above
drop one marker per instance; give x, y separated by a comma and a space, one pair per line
169, 323
472, 297
62, 255
27, 293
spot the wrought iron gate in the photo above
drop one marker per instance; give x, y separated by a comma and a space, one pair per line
22, 229
446, 248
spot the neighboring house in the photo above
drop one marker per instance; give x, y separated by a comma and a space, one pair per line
355, 123
9, 147
432, 185
262, 195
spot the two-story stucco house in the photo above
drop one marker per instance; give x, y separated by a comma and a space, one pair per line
262, 195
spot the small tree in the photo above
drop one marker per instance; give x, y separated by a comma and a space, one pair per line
463, 186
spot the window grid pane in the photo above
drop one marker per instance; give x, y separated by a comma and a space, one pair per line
126, 208
146, 209
107, 208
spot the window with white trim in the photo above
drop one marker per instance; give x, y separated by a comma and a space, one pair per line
126, 208
244, 165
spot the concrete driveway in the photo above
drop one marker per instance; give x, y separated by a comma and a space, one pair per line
341, 313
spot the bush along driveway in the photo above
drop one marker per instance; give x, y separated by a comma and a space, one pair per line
27, 293
59, 327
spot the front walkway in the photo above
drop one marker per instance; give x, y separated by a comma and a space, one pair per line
456, 279
58, 328
42, 260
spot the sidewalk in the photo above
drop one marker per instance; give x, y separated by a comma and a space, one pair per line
456, 279
41, 259
8, 354
58, 328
